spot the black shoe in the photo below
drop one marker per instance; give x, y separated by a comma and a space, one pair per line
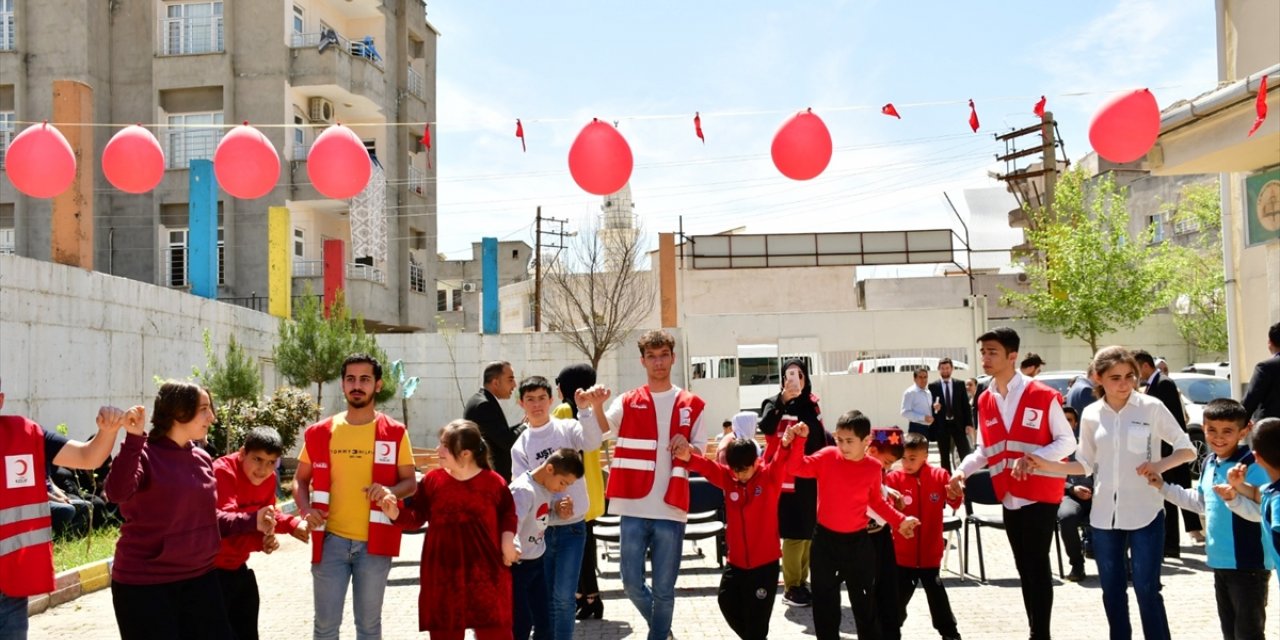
797, 597
1076, 575
591, 607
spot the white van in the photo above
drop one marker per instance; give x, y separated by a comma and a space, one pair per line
894, 365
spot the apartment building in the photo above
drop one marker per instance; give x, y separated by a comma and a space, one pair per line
292, 67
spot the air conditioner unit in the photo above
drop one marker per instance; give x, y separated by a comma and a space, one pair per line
469, 287
320, 110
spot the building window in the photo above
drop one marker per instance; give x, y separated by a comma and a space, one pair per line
417, 278
6, 25
457, 300
7, 241
1156, 222
188, 140
1185, 224
191, 27
176, 258
299, 20
299, 246
6, 131
442, 299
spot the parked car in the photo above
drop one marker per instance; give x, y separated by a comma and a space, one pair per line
1197, 390
1219, 369
890, 365
1059, 380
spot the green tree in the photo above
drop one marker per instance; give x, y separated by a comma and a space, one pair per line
312, 347
1087, 274
235, 377
1196, 288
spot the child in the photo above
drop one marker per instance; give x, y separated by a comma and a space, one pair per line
1266, 452
1232, 550
849, 482
532, 493
886, 447
566, 534
924, 492
470, 540
751, 488
246, 488
742, 427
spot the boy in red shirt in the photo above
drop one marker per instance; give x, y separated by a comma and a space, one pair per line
886, 447
751, 488
924, 492
246, 492
849, 482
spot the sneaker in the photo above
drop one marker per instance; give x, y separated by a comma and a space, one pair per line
796, 597
1076, 575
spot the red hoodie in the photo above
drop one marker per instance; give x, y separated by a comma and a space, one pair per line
923, 496
240, 499
751, 508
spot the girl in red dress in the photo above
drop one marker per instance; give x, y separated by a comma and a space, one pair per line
471, 525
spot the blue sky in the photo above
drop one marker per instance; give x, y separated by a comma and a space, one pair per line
651, 65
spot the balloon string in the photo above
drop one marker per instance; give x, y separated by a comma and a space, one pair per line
637, 117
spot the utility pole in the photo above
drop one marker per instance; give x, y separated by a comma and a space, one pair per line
1030, 193
537, 260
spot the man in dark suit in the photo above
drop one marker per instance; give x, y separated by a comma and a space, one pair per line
951, 414
1262, 400
484, 410
1167, 392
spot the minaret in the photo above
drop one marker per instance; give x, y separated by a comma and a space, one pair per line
617, 227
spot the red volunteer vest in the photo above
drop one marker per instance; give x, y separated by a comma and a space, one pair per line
635, 452
26, 534
1003, 446
384, 535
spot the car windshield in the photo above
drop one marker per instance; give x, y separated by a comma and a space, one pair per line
1202, 390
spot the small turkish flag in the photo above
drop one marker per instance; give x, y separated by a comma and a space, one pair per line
1039, 108
697, 127
1260, 106
426, 141
888, 110
973, 117
520, 134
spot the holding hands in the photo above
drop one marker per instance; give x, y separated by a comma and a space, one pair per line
134, 420
955, 486
596, 395
385, 499
269, 543
908, 526
797, 430
110, 419
1151, 473
683, 452
510, 554
267, 520
1225, 491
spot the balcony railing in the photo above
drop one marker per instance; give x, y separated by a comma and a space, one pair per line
355, 271
417, 180
416, 84
300, 152
364, 48
6, 31
417, 278
185, 145
260, 303
186, 36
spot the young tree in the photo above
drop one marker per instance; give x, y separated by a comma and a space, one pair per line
235, 377
595, 292
1196, 286
1088, 276
312, 347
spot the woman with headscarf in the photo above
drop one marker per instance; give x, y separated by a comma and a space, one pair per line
798, 505
572, 378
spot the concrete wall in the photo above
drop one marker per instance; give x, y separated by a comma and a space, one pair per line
946, 291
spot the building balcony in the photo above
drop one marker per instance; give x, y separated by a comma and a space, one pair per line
416, 85
189, 36
331, 60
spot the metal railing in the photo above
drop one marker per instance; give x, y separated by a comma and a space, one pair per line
362, 49
355, 271
416, 84
417, 278
417, 180
6, 137
300, 152
186, 36
6, 31
185, 145
260, 303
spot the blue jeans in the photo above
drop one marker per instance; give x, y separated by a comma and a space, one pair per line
1146, 548
562, 562
529, 600
663, 539
13, 618
348, 561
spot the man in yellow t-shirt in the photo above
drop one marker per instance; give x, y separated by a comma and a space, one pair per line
347, 477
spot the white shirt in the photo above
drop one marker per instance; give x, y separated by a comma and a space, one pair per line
652, 506
1062, 445
1112, 445
535, 445
916, 403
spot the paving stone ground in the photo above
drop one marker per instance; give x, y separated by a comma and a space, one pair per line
992, 610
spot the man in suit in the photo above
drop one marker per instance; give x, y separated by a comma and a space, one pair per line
484, 410
951, 416
1262, 400
1167, 392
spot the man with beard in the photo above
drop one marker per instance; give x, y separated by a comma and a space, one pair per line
350, 463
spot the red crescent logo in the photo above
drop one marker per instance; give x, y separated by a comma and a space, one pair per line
386, 449
25, 467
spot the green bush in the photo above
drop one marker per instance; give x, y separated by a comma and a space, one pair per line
288, 411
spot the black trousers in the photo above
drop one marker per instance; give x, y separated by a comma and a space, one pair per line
588, 583
240, 595
1030, 532
837, 559
886, 589
1242, 602
951, 435
188, 609
939, 604
746, 599
1072, 514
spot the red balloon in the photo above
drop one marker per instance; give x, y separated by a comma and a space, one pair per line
40, 162
600, 159
338, 163
1126, 128
802, 146
246, 163
133, 161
